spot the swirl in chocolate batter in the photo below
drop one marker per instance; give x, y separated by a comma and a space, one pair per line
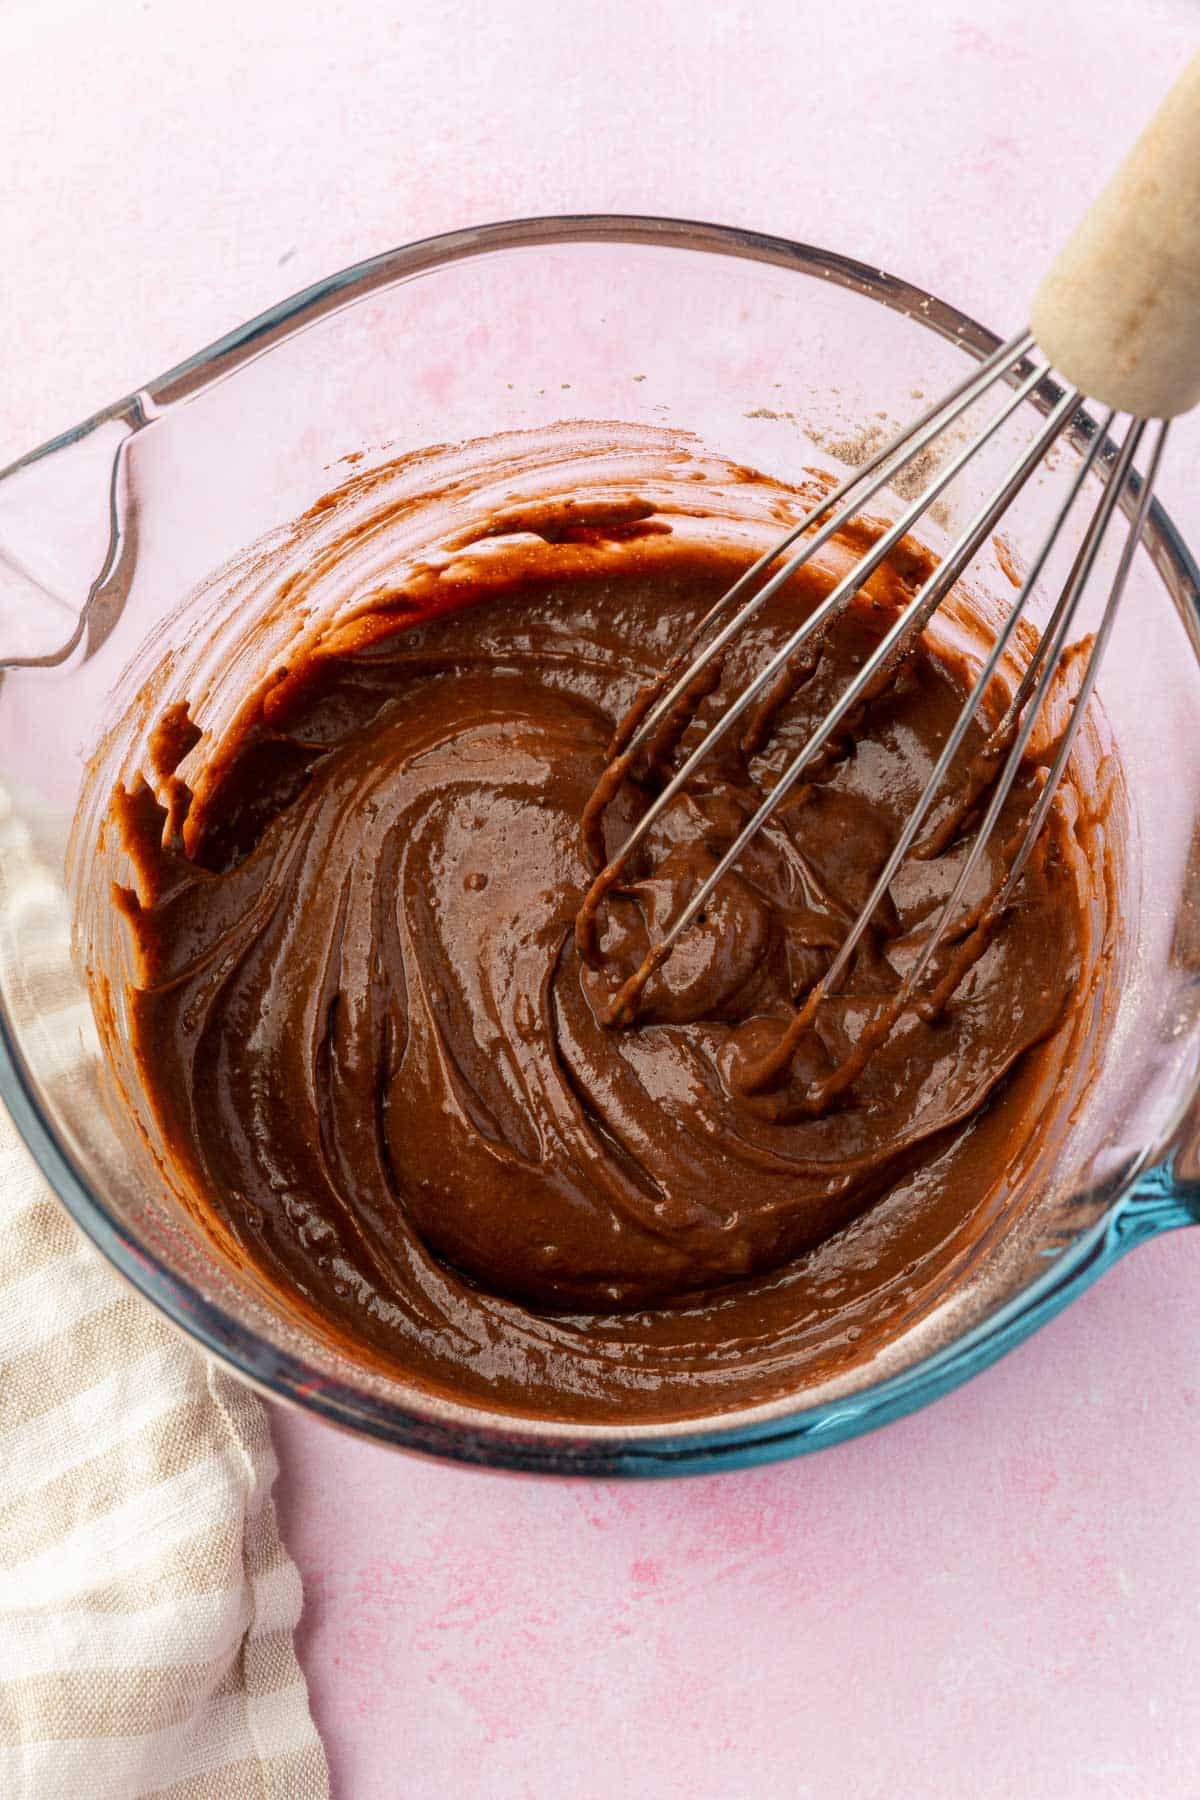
373, 1061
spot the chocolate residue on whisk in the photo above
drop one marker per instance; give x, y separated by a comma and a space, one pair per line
361, 1040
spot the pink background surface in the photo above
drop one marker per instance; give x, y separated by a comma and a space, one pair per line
1001, 1596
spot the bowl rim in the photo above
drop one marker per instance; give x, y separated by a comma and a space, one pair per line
1150, 1201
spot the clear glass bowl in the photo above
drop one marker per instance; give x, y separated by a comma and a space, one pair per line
776, 354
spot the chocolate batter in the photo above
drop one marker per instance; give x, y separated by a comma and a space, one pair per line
380, 1070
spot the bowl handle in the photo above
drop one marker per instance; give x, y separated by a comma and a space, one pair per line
67, 533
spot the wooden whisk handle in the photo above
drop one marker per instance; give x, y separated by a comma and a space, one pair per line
1118, 313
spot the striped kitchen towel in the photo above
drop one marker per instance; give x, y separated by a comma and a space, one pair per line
146, 1602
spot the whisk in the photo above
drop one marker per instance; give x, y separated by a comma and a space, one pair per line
1118, 317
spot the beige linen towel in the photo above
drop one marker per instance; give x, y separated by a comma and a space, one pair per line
146, 1603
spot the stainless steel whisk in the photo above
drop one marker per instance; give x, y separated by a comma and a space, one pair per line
1118, 315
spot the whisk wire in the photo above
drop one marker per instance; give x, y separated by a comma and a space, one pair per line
834, 604
969, 710
914, 619
766, 1072
1092, 670
910, 440
668, 708
1077, 581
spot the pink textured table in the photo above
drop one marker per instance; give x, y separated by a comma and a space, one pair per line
1001, 1596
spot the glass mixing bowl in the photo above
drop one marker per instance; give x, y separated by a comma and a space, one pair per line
776, 354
